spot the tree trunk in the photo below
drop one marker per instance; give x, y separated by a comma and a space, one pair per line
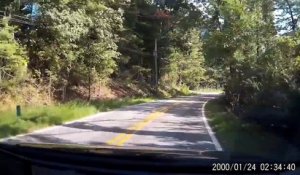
49, 87
294, 22
64, 91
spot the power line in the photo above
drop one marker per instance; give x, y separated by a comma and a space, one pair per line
22, 17
20, 21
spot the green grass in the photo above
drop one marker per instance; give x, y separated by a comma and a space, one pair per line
239, 137
113, 104
43, 116
209, 90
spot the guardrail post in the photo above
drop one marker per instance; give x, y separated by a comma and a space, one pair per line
18, 111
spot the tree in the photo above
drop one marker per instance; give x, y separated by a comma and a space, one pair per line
185, 65
239, 50
73, 39
259, 67
288, 15
13, 58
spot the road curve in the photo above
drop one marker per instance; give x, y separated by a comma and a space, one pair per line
177, 123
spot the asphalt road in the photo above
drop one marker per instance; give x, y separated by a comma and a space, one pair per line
178, 123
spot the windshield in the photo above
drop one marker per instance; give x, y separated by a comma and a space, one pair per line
180, 76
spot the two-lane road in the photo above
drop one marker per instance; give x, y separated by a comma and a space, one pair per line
178, 123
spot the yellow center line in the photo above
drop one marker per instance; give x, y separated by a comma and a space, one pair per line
121, 139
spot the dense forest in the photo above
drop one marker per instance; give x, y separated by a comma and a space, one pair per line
250, 48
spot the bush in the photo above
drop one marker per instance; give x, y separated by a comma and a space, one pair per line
26, 94
184, 90
13, 59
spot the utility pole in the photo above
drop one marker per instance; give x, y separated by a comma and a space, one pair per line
91, 39
0, 76
89, 70
155, 62
89, 66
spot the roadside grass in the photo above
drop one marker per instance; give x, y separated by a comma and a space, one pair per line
37, 117
239, 137
199, 91
210, 90
118, 103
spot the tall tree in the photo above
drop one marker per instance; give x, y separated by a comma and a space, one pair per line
74, 39
13, 58
288, 14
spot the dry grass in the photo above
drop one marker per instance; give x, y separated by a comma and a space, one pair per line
27, 95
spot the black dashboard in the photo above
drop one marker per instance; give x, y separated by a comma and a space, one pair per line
29, 159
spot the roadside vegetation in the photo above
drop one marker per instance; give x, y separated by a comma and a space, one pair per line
37, 117
209, 90
75, 50
80, 57
257, 54
239, 137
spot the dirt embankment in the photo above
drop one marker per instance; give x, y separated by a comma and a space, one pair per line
34, 95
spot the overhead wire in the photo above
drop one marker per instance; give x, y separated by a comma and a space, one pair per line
17, 19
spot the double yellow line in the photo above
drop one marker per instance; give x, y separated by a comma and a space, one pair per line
121, 139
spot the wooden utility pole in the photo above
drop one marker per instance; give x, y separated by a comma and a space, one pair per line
89, 98
89, 72
155, 62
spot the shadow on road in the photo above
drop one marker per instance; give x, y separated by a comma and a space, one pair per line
181, 127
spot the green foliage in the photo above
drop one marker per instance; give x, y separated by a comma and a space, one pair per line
42, 116
185, 90
235, 44
186, 60
257, 141
76, 42
113, 104
259, 68
38, 117
13, 58
288, 12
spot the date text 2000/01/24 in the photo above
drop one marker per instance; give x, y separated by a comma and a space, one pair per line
252, 167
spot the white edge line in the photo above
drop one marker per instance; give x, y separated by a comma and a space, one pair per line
73, 121
210, 132
49, 128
